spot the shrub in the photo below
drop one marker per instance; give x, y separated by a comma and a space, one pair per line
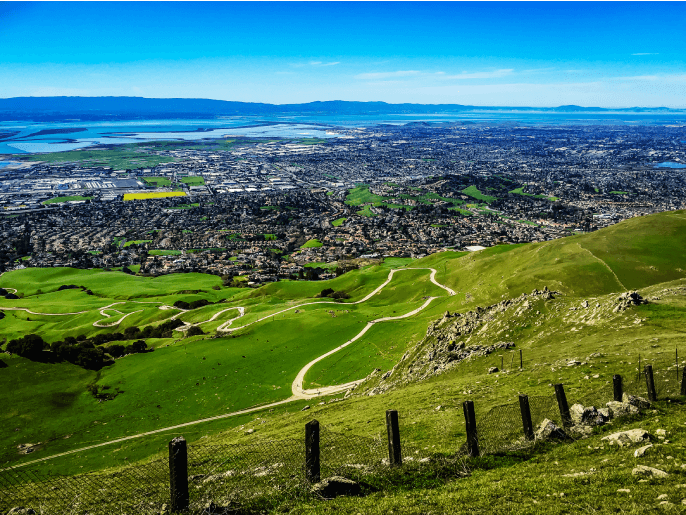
30, 346
90, 358
199, 303
194, 331
116, 350
182, 304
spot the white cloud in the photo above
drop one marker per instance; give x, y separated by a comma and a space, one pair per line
646, 53
320, 63
482, 75
387, 75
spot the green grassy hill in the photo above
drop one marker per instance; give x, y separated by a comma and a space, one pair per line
186, 379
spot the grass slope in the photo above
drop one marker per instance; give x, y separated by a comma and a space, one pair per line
275, 349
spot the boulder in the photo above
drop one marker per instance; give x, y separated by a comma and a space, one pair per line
587, 416
626, 438
493, 370
548, 430
621, 409
642, 470
334, 486
641, 451
638, 402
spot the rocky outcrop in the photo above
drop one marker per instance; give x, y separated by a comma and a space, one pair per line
627, 300
457, 337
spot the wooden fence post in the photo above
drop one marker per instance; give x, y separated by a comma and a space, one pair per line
617, 388
312, 451
650, 383
393, 429
683, 383
562, 405
526, 416
470, 422
521, 361
178, 474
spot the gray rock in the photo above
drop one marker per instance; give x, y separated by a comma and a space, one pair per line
548, 430
621, 409
626, 438
493, 370
587, 416
20, 510
305, 408
641, 451
642, 470
638, 402
334, 486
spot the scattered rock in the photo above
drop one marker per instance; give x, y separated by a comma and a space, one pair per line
621, 409
305, 408
660, 432
641, 451
493, 370
638, 402
642, 470
662, 497
548, 430
334, 486
587, 416
626, 438
249, 431
624, 491
20, 510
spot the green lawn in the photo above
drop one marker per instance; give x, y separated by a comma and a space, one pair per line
58, 200
311, 244
338, 222
193, 181
164, 252
473, 191
520, 191
365, 211
361, 195
157, 181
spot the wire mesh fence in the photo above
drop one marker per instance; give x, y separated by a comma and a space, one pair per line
261, 475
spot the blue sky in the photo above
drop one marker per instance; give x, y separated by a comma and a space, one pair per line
612, 54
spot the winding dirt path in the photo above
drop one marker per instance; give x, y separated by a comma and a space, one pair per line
297, 390
297, 387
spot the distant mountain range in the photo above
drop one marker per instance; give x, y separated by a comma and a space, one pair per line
57, 108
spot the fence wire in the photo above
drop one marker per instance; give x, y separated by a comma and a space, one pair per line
260, 476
